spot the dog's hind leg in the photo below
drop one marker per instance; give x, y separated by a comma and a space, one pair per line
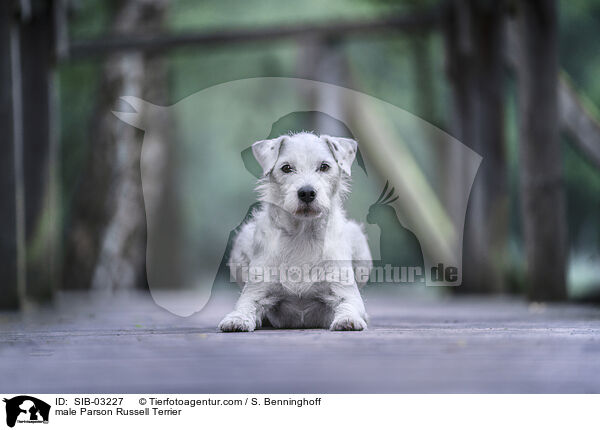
240, 253
361, 254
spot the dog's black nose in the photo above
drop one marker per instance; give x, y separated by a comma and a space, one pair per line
307, 194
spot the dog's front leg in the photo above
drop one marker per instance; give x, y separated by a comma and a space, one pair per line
348, 308
249, 310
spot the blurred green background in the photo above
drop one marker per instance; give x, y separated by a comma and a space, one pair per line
382, 66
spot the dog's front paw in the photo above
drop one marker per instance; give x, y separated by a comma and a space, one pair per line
347, 323
236, 321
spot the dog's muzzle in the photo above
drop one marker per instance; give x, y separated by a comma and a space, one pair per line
307, 194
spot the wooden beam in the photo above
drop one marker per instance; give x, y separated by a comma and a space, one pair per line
421, 21
580, 120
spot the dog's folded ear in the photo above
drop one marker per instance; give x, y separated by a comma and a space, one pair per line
266, 153
343, 150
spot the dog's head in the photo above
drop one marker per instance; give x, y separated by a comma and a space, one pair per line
303, 173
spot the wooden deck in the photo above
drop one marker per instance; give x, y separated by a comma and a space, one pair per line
127, 344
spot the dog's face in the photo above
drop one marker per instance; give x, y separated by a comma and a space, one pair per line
303, 173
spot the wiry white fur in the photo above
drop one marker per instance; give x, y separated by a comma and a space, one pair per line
285, 233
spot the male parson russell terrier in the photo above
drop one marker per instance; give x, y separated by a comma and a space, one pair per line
298, 258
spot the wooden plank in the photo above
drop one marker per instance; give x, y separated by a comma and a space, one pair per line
421, 21
414, 345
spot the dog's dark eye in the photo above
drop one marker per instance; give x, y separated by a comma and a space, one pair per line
324, 167
286, 168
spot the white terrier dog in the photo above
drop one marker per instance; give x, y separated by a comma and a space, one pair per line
301, 227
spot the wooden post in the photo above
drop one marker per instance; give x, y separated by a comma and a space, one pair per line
28, 224
105, 249
11, 272
492, 187
541, 175
322, 59
474, 61
36, 50
330, 68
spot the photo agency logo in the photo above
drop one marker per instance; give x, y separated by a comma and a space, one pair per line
26, 410
410, 184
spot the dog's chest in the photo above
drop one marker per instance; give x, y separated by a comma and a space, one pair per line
298, 250
296, 259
